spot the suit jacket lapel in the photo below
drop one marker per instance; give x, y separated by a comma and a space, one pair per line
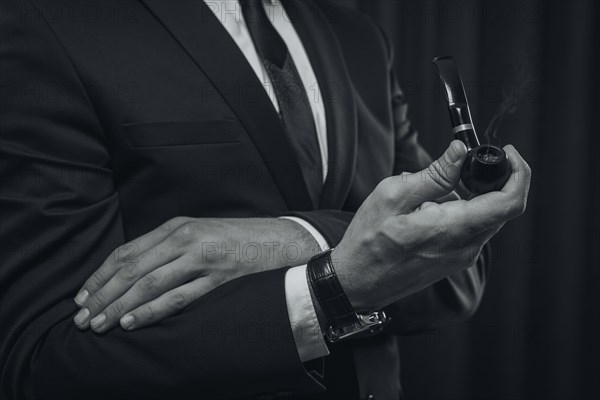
327, 60
199, 32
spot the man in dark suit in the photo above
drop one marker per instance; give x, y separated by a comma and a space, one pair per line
188, 136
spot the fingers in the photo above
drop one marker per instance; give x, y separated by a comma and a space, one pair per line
495, 208
436, 181
520, 179
452, 196
487, 235
146, 289
125, 255
426, 205
167, 305
121, 256
471, 249
124, 278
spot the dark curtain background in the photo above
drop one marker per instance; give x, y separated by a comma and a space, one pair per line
536, 333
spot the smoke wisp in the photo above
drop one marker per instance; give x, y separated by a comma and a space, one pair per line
512, 92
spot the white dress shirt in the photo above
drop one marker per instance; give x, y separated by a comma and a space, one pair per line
303, 319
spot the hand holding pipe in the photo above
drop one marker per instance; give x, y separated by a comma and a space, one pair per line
487, 168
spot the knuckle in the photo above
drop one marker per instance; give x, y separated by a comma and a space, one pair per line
125, 253
174, 223
184, 232
200, 258
96, 279
148, 283
527, 169
523, 171
508, 211
128, 273
515, 208
521, 206
441, 230
183, 270
177, 301
147, 313
387, 189
218, 278
470, 230
118, 308
467, 230
99, 299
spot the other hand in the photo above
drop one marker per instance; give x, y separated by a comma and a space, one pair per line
161, 272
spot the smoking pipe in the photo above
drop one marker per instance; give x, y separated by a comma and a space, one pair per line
487, 168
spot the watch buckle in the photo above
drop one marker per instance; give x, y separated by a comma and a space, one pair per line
365, 324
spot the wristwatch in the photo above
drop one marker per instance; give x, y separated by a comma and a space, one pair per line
343, 320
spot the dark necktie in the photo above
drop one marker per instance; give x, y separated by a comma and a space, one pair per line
296, 114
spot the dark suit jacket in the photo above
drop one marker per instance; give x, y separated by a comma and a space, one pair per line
119, 115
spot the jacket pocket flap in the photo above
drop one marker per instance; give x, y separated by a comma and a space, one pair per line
181, 133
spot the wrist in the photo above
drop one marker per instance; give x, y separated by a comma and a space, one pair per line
346, 273
257, 244
296, 245
338, 318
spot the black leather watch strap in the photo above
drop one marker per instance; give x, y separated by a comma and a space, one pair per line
329, 291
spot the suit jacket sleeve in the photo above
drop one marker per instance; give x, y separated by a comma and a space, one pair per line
447, 301
60, 217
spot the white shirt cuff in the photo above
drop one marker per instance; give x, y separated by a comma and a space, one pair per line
312, 230
308, 336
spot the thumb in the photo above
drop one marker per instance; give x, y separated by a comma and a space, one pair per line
440, 178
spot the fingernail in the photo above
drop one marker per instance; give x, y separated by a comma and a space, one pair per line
127, 322
82, 316
81, 297
98, 321
457, 149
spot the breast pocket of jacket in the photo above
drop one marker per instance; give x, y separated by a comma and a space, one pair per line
184, 133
